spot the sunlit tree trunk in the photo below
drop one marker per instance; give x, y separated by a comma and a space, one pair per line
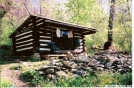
111, 18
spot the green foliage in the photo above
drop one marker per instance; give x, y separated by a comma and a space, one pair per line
125, 79
32, 59
99, 80
16, 67
5, 51
5, 83
33, 77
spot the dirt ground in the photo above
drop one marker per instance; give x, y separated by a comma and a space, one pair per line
12, 75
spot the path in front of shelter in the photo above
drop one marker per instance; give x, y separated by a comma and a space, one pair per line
12, 75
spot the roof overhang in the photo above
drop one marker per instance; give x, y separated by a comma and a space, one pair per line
56, 24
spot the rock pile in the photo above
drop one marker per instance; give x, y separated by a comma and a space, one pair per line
79, 68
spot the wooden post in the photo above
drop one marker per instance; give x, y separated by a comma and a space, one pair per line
35, 35
83, 42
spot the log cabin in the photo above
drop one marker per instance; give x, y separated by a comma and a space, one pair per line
48, 36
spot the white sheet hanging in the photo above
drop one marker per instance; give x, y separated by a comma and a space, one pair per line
70, 34
58, 32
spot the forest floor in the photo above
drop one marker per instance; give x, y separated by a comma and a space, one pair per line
12, 75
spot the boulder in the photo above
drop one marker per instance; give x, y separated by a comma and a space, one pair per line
91, 64
80, 72
66, 64
100, 65
73, 70
61, 73
47, 67
99, 68
109, 64
49, 76
41, 72
74, 65
53, 77
86, 68
62, 68
49, 71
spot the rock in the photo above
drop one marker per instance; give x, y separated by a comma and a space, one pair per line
76, 75
50, 71
55, 61
109, 64
100, 65
41, 72
61, 73
74, 65
53, 77
66, 71
99, 68
119, 66
86, 68
66, 64
91, 64
69, 55
80, 72
130, 67
47, 67
85, 75
49, 76
73, 70
62, 68
59, 64
122, 71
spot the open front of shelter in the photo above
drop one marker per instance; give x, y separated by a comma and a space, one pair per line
48, 36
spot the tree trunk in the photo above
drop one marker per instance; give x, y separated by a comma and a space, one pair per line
111, 17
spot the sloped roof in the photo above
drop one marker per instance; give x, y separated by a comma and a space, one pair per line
55, 23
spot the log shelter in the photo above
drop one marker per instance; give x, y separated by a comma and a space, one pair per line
35, 34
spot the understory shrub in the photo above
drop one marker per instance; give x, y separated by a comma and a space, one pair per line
32, 76
125, 79
16, 67
100, 79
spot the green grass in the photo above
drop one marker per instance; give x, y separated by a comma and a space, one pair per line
5, 83
101, 79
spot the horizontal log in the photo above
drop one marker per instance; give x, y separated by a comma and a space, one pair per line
41, 40
45, 34
77, 36
43, 44
30, 24
23, 45
25, 39
38, 20
25, 52
24, 33
31, 45
41, 23
42, 32
44, 49
28, 48
24, 42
